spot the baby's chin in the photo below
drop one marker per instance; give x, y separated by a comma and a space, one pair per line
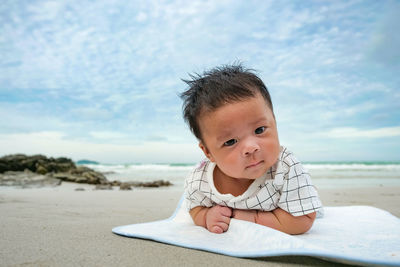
253, 176
246, 173
258, 172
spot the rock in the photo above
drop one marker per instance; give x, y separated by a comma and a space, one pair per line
12, 163
116, 183
79, 189
27, 179
163, 183
157, 183
103, 187
20, 162
125, 186
60, 168
41, 170
82, 175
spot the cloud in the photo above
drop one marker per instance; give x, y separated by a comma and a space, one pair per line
348, 132
109, 71
107, 135
55, 144
385, 39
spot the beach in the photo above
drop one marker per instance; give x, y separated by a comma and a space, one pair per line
59, 226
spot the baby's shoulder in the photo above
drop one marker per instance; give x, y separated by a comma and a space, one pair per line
287, 165
197, 179
287, 158
202, 165
198, 170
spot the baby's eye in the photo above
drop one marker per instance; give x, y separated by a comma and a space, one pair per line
260, 130
230, 142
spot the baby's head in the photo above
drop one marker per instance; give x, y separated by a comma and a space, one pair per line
229, 110
218, 87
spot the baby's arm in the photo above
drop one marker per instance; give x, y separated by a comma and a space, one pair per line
216, 219
278, 219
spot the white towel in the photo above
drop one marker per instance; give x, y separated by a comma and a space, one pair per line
354, 234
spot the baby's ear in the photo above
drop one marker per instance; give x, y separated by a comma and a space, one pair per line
206, 152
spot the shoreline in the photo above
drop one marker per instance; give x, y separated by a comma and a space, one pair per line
60, 226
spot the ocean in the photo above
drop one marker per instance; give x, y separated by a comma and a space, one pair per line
324, 174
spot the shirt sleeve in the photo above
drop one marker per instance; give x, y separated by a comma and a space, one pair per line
298, 195
196, 189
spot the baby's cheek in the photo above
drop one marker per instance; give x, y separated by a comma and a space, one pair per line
272, 150
232, 166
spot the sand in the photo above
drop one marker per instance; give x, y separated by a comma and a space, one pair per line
63, 227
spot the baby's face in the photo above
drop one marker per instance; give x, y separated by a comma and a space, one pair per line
241, 138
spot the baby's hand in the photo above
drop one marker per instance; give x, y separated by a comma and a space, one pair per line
245, 215
218, 219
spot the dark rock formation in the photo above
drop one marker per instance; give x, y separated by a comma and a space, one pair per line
61, 169
157, 183
37, 163
125, 186
115, 183
38, 170
103, 187
81, 174
79, 189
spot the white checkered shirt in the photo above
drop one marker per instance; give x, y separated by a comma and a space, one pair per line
286, 185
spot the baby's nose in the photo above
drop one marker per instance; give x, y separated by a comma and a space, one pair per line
250, 147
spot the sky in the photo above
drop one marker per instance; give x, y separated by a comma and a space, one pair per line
101, 80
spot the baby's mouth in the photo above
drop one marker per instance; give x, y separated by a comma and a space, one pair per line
255, 164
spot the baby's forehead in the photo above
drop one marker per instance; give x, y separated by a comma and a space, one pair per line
206, 110
233, 111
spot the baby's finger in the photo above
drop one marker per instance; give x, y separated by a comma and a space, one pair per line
216, 229
221, 225
226, 211
225, 219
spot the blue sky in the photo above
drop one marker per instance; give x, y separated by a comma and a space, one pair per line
101, 79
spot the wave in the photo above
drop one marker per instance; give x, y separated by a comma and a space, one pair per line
124, 168
188, 166
352, 166
329, 172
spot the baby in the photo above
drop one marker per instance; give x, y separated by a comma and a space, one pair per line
247, 174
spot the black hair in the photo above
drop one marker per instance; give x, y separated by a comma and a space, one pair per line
217, 87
